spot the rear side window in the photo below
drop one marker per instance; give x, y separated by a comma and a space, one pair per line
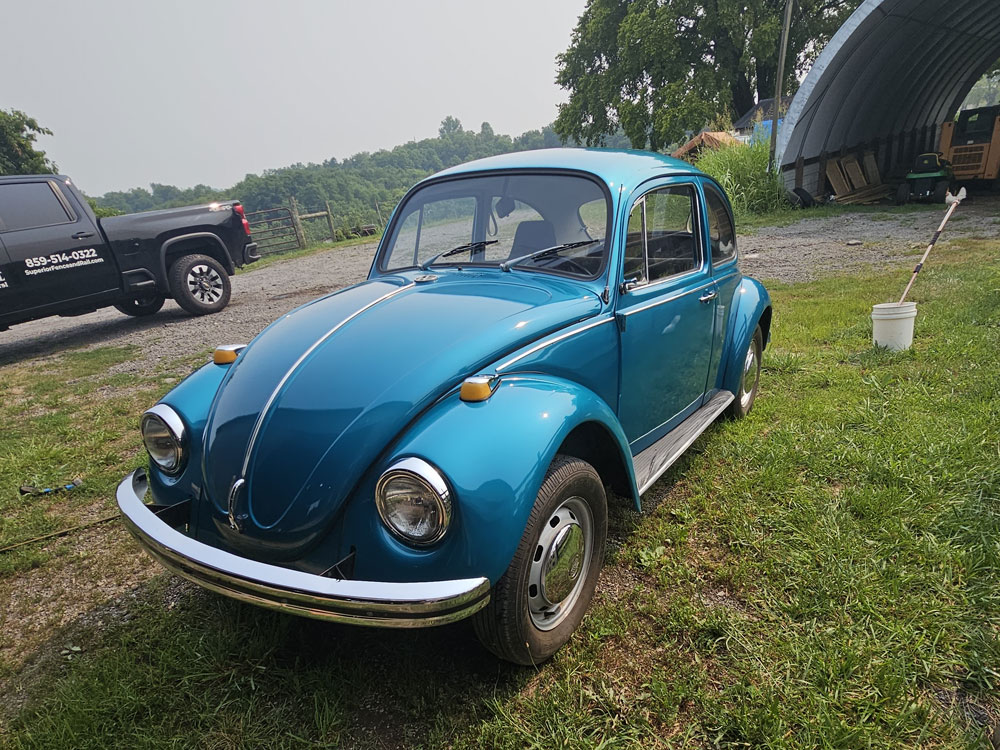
720, 227
24, 205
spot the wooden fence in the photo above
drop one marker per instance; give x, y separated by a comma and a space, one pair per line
280, 229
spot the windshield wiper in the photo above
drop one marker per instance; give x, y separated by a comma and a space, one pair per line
506, 266
456, 250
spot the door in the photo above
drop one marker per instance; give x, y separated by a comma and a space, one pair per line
55, 253
665, 313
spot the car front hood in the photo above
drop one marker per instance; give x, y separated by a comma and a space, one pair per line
314, 399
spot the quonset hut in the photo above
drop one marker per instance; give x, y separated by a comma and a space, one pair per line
889, 78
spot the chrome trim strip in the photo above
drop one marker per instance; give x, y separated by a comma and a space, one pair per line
281, 383
556, 340
665, 300
170, 418
383, 604
679, 439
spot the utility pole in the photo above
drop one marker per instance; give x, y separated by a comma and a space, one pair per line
781, 75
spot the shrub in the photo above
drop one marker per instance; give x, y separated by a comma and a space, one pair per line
742, 172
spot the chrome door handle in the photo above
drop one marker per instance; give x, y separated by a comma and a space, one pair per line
708, 296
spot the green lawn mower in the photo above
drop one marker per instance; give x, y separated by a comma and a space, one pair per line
929, 181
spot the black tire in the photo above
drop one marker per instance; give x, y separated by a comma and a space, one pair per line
746, 392
803, 198
199, 284
903, 194
138, 307
513, 625
941, 191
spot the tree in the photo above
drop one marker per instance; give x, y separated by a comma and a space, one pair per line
449, 126
17, 152
660, 69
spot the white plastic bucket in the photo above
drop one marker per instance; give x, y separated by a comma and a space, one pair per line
892, 325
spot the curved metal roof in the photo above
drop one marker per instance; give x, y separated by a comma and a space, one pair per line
895, 67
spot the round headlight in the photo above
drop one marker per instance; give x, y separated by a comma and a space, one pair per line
163, 436
414, 502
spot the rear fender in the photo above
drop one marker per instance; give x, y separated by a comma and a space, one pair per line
205, 243
751, 307
495, 455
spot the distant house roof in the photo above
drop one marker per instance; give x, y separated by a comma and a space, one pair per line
763, 110
708, 139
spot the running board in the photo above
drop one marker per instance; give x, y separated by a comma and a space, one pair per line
657, 458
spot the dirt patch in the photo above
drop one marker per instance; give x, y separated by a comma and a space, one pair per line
815, 247
87, 568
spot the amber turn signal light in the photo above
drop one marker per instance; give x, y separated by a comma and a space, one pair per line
226, 355
478, 388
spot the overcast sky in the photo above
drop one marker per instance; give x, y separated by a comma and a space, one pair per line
188, 92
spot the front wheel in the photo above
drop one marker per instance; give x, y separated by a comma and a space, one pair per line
746, 394
140, 306
941, 191
199, 284
903, 194
541, 599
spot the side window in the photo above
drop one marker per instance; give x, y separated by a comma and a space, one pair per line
720, 227
671, 240
24, 205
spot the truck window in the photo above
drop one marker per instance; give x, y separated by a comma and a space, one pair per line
25, 205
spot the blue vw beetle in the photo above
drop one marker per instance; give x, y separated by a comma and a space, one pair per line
435, 442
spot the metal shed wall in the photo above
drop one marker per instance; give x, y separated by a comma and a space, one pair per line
892, 74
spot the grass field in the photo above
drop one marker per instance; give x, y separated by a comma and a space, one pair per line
825, 573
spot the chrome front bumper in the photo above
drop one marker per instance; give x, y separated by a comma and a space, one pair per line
382, 604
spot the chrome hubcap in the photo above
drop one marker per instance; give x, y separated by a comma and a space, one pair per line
560, 562
205, 284
751, 366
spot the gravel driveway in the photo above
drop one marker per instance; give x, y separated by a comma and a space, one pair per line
794, 253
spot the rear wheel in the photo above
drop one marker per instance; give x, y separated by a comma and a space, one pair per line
541, 599
941, 191
746, 394
199, 284
140, 306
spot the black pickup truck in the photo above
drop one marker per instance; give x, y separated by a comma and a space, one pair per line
57, 258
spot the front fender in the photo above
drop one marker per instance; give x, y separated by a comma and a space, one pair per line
751, 306
191, 399
495, 455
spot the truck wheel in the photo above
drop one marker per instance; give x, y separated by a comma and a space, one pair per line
746, 394
538, 603
199, 284
139, 306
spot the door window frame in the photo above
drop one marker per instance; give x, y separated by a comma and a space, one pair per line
56, 193
697, 231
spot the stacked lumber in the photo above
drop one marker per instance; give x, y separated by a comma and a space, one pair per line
855, 182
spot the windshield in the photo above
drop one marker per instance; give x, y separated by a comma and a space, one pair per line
490, 220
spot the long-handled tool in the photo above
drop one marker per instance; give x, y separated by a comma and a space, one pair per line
953, 200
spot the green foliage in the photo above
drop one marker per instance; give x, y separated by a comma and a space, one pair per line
102, 212
742, 172
18, 154
660, 69
351, 186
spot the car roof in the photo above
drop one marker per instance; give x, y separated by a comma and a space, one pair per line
612, 166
